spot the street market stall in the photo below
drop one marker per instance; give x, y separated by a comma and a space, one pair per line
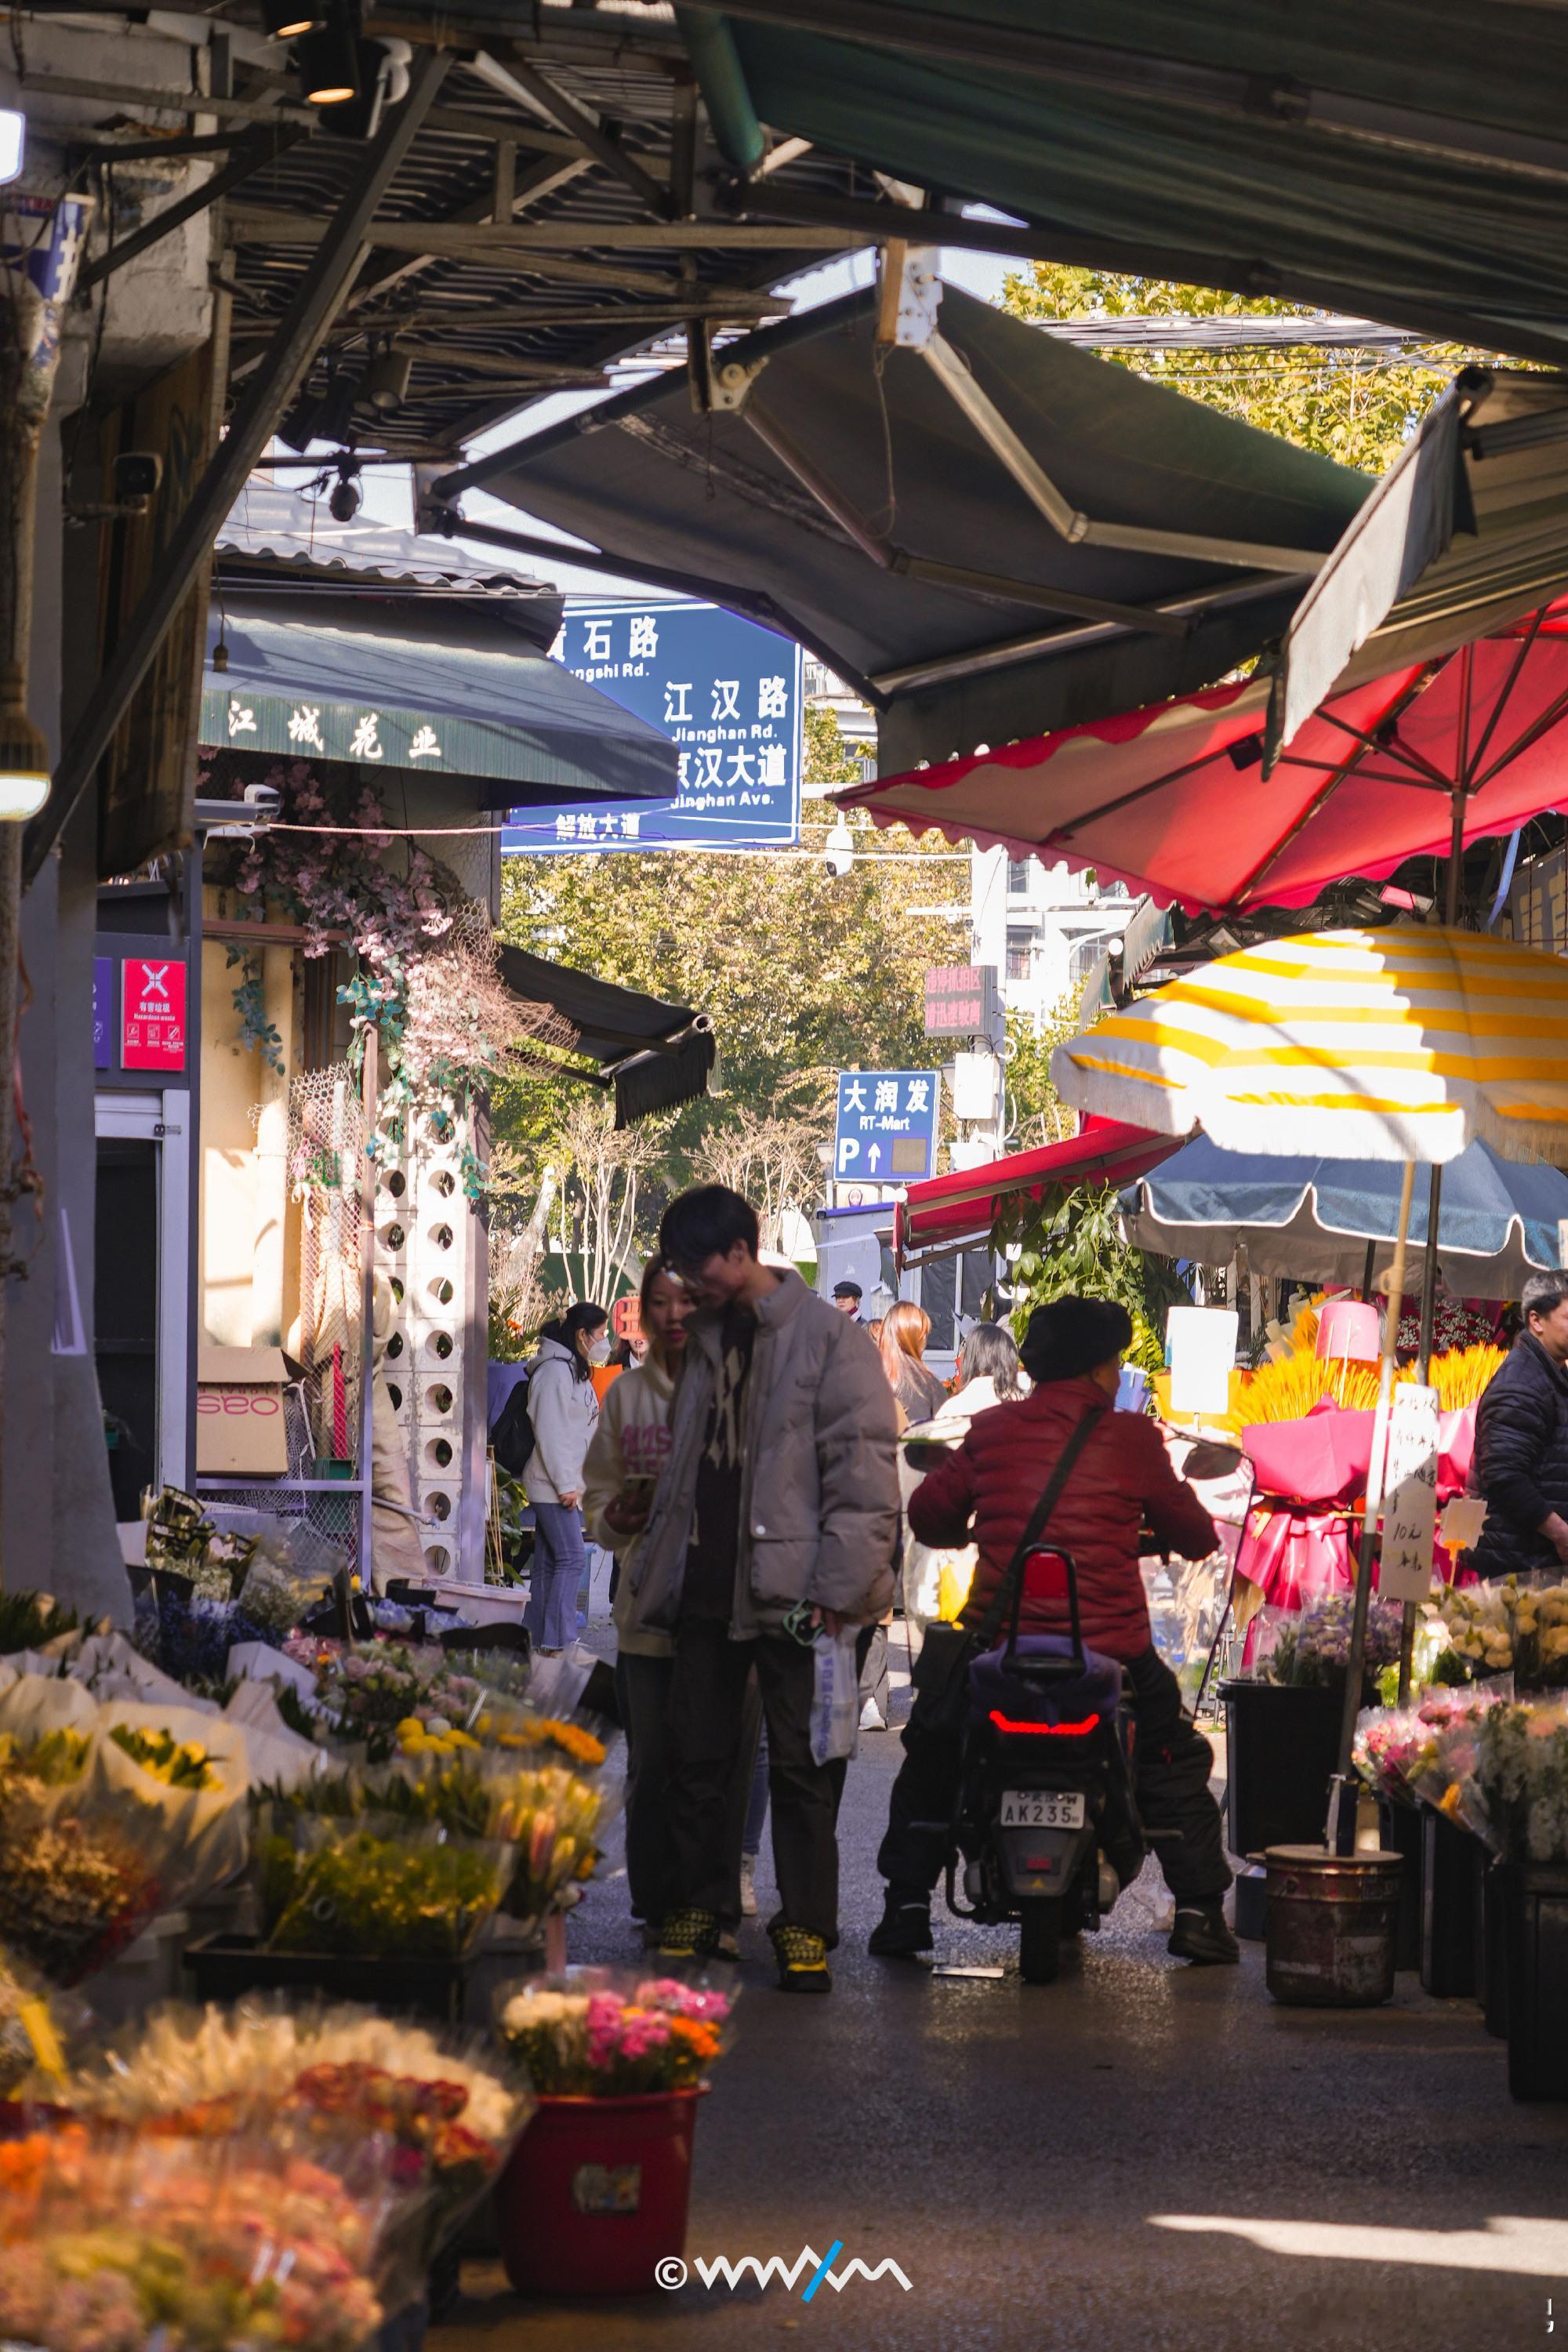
1402, 1044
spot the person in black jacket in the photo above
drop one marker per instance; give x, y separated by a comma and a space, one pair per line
1520, 1462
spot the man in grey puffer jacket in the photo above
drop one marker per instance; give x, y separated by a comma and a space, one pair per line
776, 1513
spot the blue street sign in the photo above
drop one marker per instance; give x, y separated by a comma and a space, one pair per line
886, 1129
728, 692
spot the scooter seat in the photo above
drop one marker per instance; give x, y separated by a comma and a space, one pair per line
1002, 1682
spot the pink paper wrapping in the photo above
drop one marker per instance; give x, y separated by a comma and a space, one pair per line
1299, 1549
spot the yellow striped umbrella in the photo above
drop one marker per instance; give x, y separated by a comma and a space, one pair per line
1402, 1044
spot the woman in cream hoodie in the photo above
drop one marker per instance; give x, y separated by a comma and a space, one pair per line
625, 1459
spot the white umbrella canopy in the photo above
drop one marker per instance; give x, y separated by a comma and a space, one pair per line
1402, 1043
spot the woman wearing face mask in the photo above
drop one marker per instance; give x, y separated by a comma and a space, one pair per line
628, 1453
563, 1411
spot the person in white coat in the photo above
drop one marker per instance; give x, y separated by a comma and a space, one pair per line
563, 1413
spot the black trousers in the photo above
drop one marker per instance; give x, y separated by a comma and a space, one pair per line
707, 1707
644, 1687
1174, 1761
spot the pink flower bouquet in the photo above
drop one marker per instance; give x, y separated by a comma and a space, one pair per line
589, 2035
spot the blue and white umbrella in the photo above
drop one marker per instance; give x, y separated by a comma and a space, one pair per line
1500, 1219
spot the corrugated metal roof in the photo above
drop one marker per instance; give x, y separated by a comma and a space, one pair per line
275, 527
491, 334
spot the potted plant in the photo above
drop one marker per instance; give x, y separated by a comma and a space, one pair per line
597, 2191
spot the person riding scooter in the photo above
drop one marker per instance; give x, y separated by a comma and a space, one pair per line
985, 1491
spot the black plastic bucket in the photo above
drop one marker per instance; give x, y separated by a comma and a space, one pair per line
1452, 1866
1282, 1749
1536, 1894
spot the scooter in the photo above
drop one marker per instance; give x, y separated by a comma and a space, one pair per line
1046, 1824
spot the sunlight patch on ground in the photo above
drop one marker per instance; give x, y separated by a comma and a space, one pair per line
1528, 2248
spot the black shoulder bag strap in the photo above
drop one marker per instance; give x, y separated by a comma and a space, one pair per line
940, 1690
990, 1625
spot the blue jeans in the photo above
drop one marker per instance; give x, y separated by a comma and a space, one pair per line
559, 1561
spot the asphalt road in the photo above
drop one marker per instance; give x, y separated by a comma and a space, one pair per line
1142, 2155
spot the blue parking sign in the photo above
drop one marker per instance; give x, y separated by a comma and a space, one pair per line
886, 1129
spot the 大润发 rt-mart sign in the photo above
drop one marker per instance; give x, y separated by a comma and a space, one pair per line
727, 693
886, 1129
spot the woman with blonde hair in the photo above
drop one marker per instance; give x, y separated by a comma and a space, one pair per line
905, 1330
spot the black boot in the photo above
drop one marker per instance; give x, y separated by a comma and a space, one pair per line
1200, 1934
904, 1927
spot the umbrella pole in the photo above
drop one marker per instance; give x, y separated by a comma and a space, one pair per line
1341, 1836
1434, 1191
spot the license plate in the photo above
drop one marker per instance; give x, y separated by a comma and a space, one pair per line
1042, 1809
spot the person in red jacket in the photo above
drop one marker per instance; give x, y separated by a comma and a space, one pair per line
985, 1493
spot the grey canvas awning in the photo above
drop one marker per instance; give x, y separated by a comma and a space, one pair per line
427, 691
986, 533
653, 1054
1467, 531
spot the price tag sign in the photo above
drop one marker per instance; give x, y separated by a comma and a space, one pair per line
1202, 1341
1410, 1495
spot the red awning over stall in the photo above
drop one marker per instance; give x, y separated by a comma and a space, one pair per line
947, 1212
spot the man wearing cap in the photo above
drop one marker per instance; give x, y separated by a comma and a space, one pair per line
846, 1298
985, 1492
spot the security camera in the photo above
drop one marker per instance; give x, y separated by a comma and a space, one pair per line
137, 473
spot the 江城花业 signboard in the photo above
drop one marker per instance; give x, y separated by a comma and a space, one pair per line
725, 691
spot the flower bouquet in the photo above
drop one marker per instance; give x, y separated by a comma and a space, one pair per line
445, 2108
588, 2034
1314, 1649
110, 2242
369, 1689
36, 2027
550, 1817
1509, 1627
1516, 1788
374, 1886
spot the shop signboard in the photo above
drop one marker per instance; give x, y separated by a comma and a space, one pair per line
153, 1013
887, 1126
726, 691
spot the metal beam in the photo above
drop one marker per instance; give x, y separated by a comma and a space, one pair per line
956, 377
1057, 59
258, 152
981, 659
744, 309
542, 179
171, 101
530, 89
294, 346
257, 224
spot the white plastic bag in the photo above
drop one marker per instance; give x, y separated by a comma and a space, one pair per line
835, 1695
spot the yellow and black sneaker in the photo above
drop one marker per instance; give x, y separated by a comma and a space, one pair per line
802, 1959
689, 1935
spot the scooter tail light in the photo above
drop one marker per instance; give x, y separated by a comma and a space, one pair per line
1044, 1730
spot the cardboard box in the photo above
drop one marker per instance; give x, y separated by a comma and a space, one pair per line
239, 1412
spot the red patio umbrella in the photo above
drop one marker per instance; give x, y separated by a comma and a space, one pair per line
1173, 799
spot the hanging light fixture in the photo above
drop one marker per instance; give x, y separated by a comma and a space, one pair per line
382, 67
285, 20
24, 754
327, 61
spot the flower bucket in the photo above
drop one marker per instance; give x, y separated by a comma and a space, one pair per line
1282, 1747
1332, 1923
598, 2192
1536, 1898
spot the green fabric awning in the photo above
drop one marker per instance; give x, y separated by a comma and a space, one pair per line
1386, 157
986, 535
